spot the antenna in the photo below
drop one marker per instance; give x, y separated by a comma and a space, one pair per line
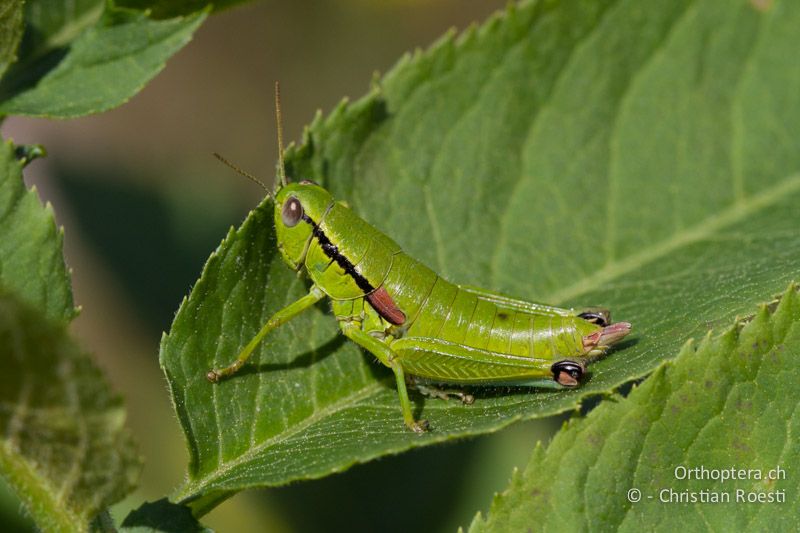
279, 121
246, 175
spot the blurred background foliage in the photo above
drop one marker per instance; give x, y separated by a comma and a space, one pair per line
143, 204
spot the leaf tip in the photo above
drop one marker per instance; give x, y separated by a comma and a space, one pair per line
689, 348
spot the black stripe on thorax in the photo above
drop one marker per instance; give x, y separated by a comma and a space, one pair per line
332, 251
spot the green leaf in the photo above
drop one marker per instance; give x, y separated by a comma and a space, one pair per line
174, 8
574, 152
50, 27
31, 252
54, 24
11, 27
164, 516
64, 447
728, 403
104, 66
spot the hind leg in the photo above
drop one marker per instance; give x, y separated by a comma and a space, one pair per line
385, 355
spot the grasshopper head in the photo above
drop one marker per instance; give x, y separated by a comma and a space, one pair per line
298, 208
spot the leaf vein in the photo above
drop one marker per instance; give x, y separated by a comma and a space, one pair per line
703, 229
205, 483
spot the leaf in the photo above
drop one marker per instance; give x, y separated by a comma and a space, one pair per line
105, 65
579, 153
11, 26
31, 250
164, 516
173, 8
50, 26
728, 403
54, 24
64, 449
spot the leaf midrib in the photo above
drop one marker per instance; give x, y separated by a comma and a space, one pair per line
706, 228
68, 32
15, 463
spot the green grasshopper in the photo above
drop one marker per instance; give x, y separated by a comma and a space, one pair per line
426, 329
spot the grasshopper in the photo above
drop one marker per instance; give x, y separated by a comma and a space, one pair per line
424, 328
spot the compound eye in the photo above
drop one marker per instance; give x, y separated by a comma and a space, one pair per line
292, 212
567, 373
